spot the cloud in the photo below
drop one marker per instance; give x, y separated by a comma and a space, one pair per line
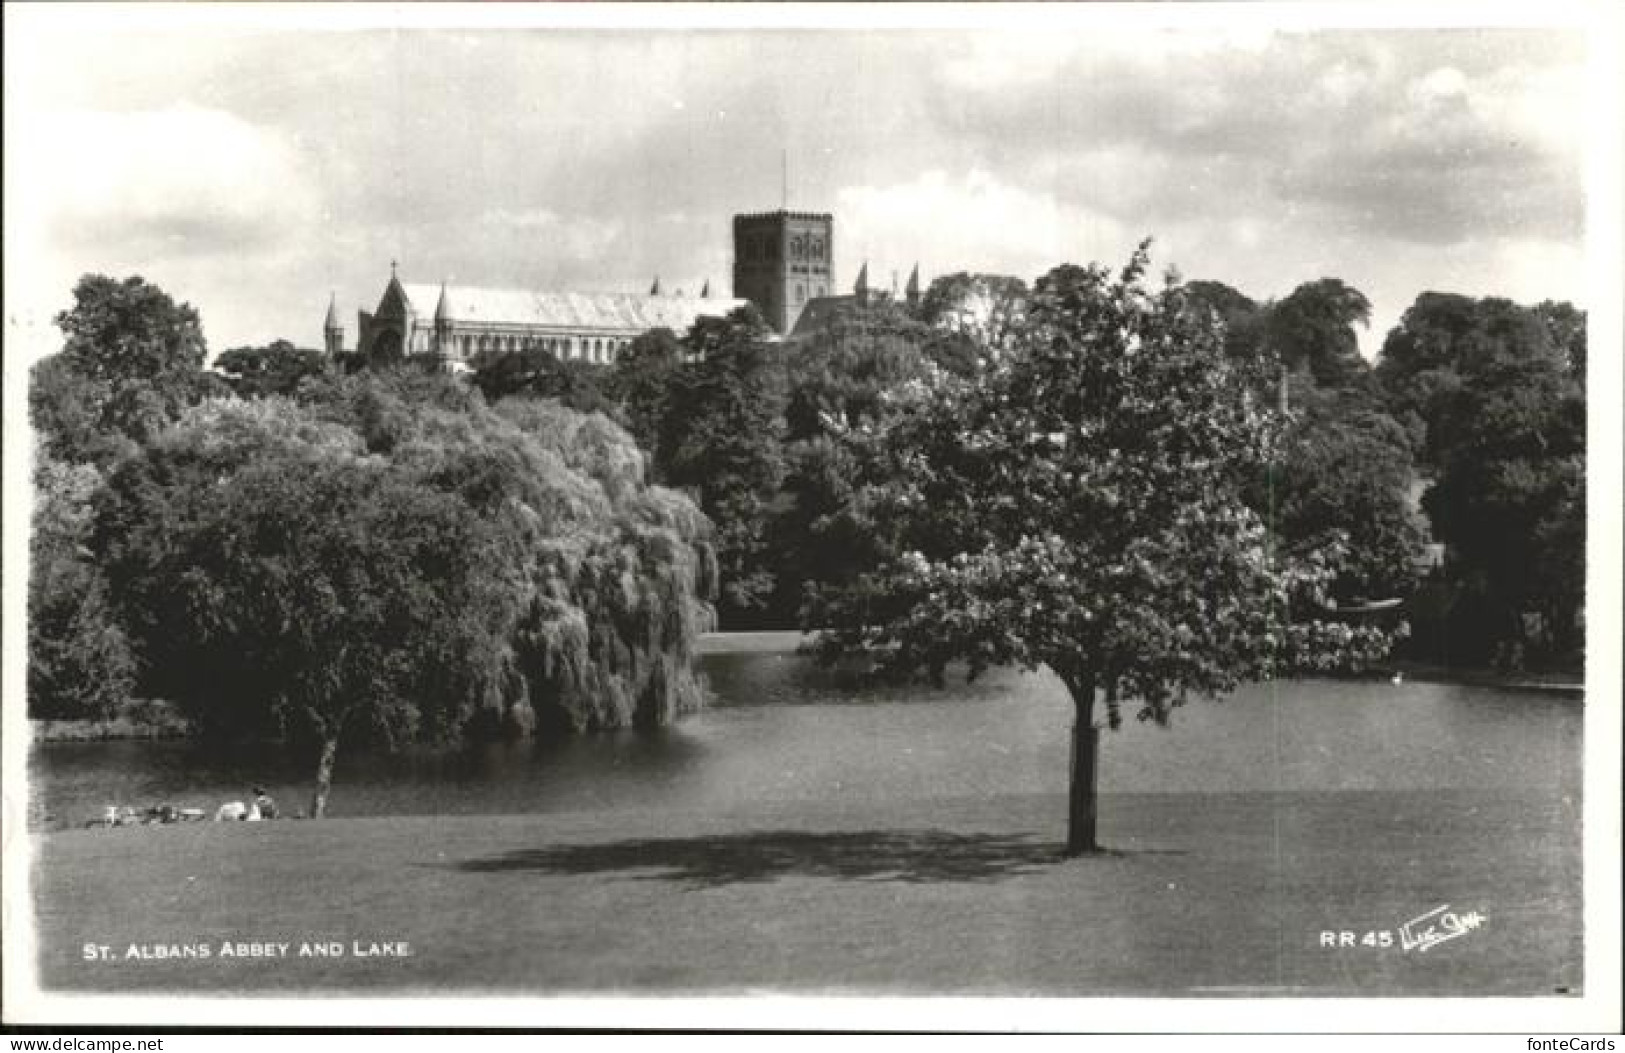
252, 172
972, 221
1433, 137
183, 181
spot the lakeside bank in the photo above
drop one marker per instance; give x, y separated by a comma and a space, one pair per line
1566, 684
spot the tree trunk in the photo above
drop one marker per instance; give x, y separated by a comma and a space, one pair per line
1080, 826
324, 777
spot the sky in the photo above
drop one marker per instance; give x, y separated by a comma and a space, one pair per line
253, 167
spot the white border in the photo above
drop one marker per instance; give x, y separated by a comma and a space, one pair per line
1598, 1010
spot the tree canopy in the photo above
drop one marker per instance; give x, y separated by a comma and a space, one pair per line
1313, 329
80, 664
987, 307
719, 439
1494, 394
538, 373
275, 369
132, 360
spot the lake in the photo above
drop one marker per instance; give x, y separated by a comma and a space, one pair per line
781, 731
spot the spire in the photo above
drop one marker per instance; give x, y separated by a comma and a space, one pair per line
332, 331
913, 289
442, 310
654, 290
705, 290
861, 286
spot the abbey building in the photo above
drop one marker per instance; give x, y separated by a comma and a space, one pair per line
783, 263
457, 323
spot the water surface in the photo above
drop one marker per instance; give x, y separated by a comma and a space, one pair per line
781, 730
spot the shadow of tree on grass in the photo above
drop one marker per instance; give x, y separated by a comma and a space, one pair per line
722, 859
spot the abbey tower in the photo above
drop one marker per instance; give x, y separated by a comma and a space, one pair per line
782, 260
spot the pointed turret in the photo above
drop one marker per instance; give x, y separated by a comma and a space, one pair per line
860, 288
332, 331
913, 289
441, 342
654, 290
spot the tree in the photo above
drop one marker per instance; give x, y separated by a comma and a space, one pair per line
80, 665
986, 307
638, 381
539, 373
846, 374
1345, 473
1244, 319
65, 406
130, 330
132, 361
720, 439
1510, 499
387, 559
1313, 329
843, 371
1566, 326
1441, 343
1496, 392
1082, 507
275, 369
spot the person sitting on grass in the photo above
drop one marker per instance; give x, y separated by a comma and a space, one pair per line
263, 801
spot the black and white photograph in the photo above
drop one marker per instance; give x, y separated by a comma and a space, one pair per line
1086, 517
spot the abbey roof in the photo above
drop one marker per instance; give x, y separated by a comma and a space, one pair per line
632, 312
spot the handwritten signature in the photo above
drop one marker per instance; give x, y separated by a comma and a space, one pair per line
1437, 926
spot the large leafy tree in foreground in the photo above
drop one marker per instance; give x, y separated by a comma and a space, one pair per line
1082, 506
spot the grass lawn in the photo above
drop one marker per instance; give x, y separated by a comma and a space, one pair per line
1208, 894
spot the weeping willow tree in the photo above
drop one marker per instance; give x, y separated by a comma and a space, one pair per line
607, 639
386, 557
